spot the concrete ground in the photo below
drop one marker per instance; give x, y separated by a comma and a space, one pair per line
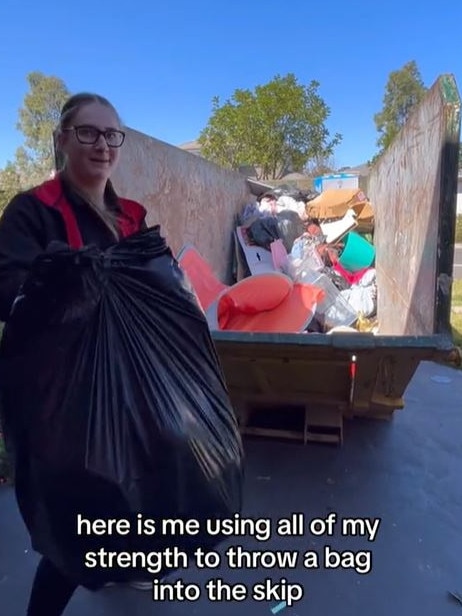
407, 472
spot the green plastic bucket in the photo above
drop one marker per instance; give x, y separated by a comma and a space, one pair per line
357, 254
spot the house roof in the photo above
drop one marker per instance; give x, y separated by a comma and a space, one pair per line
190, 145
296, 176
363, 169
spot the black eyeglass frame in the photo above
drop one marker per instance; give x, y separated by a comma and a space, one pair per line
98, 134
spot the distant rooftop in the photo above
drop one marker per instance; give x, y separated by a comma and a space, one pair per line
358, 170
191, 146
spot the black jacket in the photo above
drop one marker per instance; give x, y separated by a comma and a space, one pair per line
27, 226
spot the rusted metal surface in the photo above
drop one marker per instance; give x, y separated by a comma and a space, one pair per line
413, 188
192, 199
315, 370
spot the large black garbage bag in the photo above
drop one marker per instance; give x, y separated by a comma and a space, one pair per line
290, 227
264, 231
114, 403
286, 225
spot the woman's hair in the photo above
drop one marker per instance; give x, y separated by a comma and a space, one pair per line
76, 102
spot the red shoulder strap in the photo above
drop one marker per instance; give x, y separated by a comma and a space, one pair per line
51, 193
134, 215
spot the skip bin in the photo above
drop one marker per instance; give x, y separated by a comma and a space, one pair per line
413, 188
326, 377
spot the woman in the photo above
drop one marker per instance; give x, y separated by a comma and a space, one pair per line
80, 207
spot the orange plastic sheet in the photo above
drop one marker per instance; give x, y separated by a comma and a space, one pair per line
269, 302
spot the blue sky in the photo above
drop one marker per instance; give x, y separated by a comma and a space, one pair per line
161, 62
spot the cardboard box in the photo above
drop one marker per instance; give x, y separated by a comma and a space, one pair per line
334, 203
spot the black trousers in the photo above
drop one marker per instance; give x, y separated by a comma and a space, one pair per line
51, 591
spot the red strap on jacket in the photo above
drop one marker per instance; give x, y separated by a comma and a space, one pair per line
51, 193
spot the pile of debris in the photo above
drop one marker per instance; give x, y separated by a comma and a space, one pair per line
324, 240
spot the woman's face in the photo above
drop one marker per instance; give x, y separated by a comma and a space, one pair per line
91, 162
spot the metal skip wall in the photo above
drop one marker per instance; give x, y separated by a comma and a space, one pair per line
413, 190
193, 200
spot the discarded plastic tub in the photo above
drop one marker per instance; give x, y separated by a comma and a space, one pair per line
357, 254
270, 303
334, 308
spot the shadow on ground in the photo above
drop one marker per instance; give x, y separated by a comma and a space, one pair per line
406, 472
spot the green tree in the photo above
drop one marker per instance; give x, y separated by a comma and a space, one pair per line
403, 91
10, 184
38, 118
277, 128
321, 166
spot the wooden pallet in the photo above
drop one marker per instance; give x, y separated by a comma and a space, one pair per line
315, 424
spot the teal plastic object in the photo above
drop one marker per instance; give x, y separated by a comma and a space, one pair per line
357, 254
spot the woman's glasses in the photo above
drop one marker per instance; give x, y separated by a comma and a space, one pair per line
89, 135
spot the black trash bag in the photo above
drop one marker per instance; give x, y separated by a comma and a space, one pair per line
286, 225
290, 227
114, 404
309, 196
264, 231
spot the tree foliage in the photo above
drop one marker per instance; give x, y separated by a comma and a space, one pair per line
277, 128
38, 117
322, 165
10, 184
403, 91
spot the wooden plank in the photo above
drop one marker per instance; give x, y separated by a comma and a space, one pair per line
272, 433
321, 425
